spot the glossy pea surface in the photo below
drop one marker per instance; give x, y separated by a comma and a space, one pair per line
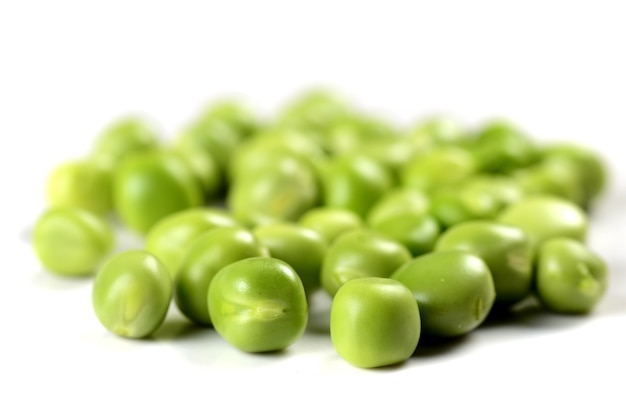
570, 278
132, 293
258, 304
72, 241
454, 291
205, 257
374, 322
330, 222
418, 232
170, 238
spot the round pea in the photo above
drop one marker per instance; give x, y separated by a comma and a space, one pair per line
150, 186
505, 249
170, 238
374, 322
258, 304
454, 290
81, 184
132, 293
235, 114
398, 202
207, 254
361, 253
440, 166
557, 177
214, 137
72, 241
418, 232
570, 278
301, 248
330, 222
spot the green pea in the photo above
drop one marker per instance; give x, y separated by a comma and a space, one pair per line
123, 138
281, 192
398, 202
374, 322
258, 304
553, 176
542, 217
235, 114
314, 110
355, 182
454, 290
330, 222
81, 184
361, 253
437, 130
207, 254
205, 170
170, 238
214, 137
150, 186
418, 232
505, 249
303, 249
354, 132
131, 294
72, 241
440, 166
570, 278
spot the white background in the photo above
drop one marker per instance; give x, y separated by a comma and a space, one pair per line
69, 68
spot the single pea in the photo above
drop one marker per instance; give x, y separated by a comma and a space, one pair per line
418, 232
543, 216
438, 129
570, 278
132, 293
454, 290
374, 322
440, 166
553, 176
205, 170
505, 249
314, 110
152, 185
72, 241
330, 222
122, 138
301, 248
235, 114
361, 253
356, 131
258, 304
81, 184
207, 254
281, 192
355, 182
170, 238
398, 202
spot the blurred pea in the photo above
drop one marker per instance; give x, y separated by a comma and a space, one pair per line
440, 166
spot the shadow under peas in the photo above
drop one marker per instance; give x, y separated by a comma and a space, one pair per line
430, 346
176, 328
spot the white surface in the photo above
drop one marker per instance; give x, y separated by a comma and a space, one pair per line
68, 68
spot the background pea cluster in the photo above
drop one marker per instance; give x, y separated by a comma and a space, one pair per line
414, 232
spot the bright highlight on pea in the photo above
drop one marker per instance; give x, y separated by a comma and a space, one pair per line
411, 232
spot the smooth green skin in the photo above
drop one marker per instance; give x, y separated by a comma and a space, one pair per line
374, 322
150, 186
235, 114
314, 110
441, 166
454, 290
553, 176
354, 132
72, 241
591, 167
281, 192
418, 232
206, 171
361, 253
478, 197
330, 222
438, 130
205, 257
123, 138
542, 217
505, 249
502, 147
355, 182
301, 248
570, 278
132, 293
398, 202
258, 304
170, 238
81, 184
214, 137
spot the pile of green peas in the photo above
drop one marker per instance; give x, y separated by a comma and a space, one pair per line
415, 232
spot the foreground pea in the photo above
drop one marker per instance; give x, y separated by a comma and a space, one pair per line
361, 253
131, 294
258, 304
72, 241
505, 249
570, 278
374, 322
454, 290
170, 238
205, 257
